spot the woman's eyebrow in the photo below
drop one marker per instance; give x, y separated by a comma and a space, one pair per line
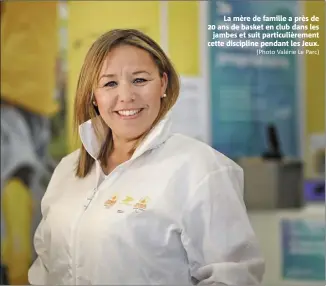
134, 73
107, 75
141, 71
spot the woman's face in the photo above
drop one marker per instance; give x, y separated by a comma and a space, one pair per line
129, 92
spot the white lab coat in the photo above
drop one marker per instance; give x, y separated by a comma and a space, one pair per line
172, 214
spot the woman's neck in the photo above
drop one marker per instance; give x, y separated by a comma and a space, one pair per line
119, 156
122, 152
122, 149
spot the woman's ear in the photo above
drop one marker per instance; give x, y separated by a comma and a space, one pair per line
95, 106
164, 81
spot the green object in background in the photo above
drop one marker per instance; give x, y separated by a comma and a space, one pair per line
303, 249
58, 144
58, 147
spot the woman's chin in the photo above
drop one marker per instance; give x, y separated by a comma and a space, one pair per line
130, 135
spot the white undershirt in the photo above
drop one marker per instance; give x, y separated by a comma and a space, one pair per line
102, 177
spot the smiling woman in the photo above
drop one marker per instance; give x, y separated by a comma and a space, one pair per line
129, 95
137, 204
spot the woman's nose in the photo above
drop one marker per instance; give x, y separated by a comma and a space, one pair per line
125, 92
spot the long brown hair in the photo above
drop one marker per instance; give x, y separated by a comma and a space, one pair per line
88, 78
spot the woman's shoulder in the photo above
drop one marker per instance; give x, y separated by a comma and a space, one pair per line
64, 170
201, 163
67, 164
71, 158
201, 154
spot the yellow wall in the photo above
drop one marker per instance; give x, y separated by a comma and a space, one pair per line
314, 86
183, 31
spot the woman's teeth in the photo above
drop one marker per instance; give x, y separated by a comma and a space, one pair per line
129, 112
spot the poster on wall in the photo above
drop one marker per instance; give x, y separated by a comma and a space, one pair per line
303, 249
251, 92
191, 107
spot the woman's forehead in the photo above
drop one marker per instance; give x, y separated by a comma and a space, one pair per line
127, 59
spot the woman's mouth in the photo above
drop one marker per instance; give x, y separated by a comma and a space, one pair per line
129, 114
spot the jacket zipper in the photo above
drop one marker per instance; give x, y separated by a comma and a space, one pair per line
75, 235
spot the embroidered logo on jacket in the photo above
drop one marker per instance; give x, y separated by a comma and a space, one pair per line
110, 202
127, 201
141, 205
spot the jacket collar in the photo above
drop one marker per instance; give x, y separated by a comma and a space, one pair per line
157, 136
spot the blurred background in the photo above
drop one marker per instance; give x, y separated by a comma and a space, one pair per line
265, 112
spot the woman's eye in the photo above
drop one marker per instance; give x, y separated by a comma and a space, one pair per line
110, 84
140, 80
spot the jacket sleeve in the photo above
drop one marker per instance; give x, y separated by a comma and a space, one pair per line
220, 243
37, 274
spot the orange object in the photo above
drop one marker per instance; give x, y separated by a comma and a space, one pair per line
110, 202
142, 204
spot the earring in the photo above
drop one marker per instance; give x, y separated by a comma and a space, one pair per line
164, 95
95, 107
